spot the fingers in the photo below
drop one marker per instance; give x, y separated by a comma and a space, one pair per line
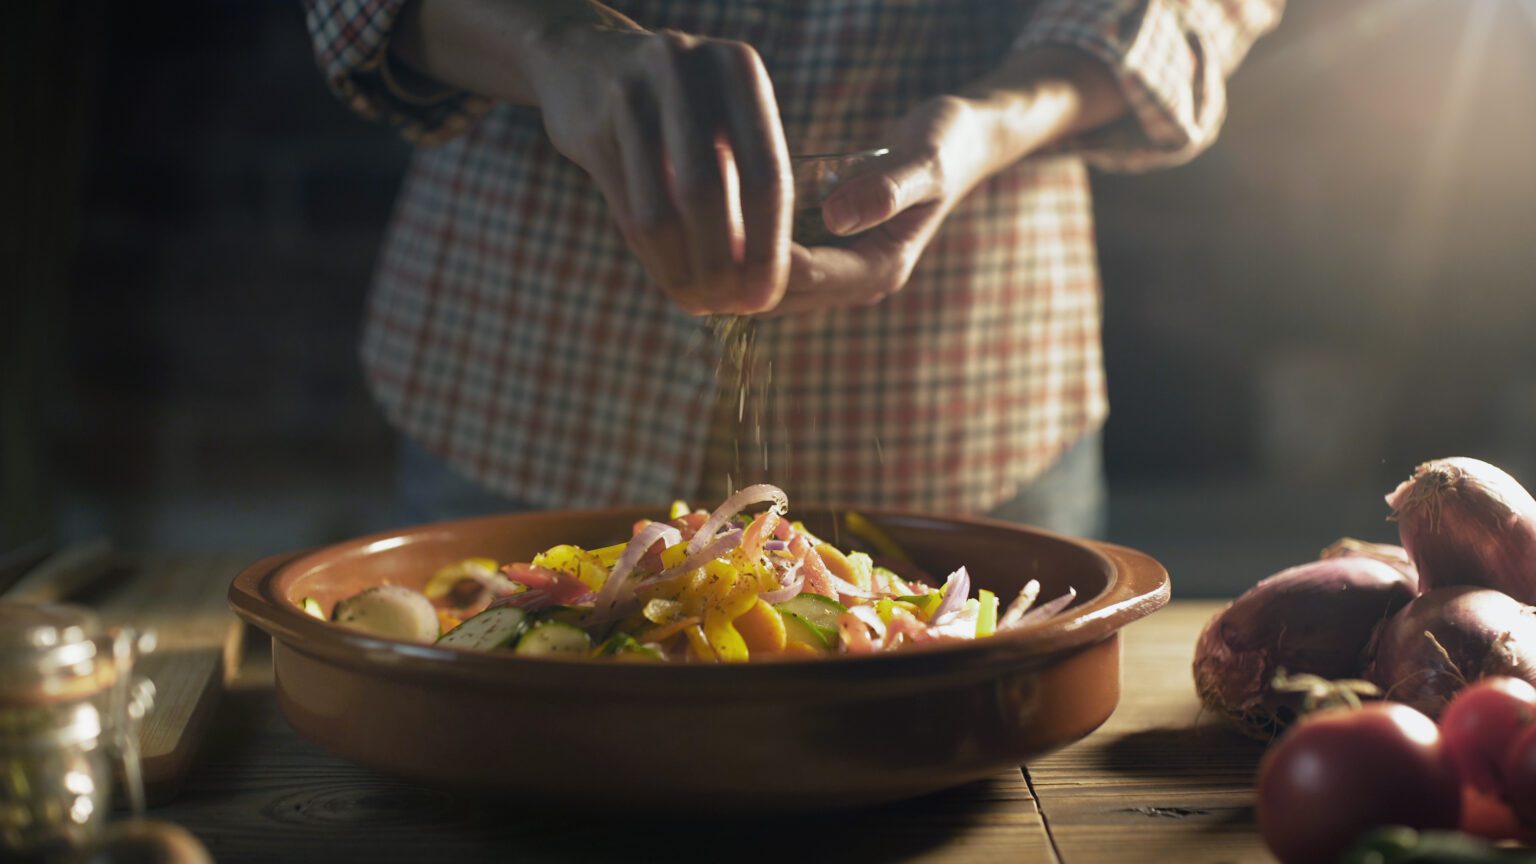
699, 175
688, 124
650, 222
864, 202
866, 271
756, 140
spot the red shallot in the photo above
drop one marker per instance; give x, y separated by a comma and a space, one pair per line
1315, 619
1465, 522
1386, 553
1449, 638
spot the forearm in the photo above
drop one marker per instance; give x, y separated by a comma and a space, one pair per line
1041, 96
496, 48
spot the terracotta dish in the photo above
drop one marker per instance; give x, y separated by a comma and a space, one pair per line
786, 735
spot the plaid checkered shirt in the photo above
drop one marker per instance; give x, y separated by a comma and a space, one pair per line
511, 330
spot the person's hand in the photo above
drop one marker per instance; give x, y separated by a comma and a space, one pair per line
683, 137
940, 151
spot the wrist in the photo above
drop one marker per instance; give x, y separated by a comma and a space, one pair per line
1043, 95
570, 45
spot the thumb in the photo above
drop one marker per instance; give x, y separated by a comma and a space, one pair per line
863, 202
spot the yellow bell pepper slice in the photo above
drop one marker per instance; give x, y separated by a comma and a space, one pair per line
874, 536
863, 570
885, 607
839, 565
443, 580
800, 649
986, 616
723, 637
762, 628
679, 509
609, 555
663, 632
573, 561
700, 644
674, 555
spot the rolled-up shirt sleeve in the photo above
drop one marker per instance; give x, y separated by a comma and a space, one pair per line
1171, 58
351, 44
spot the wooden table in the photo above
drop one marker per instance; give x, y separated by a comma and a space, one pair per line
1153, 784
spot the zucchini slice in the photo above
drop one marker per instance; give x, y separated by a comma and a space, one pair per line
815, 609
554, 637
491, 629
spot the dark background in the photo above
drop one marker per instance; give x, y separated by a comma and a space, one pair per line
1341, 288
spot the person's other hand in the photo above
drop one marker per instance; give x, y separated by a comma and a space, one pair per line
683, 137
939, 152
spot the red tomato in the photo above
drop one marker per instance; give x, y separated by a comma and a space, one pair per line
1484, 814
1341, 772
1479, 725
1519, 769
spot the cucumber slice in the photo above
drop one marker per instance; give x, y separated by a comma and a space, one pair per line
554, 637
797, 629
815, 609
491, 629
311, 606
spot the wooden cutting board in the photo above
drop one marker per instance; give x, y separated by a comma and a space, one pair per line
199, 641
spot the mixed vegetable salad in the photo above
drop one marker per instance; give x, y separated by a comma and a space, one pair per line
714, 587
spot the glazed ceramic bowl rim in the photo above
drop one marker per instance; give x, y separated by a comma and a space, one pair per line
1136, 586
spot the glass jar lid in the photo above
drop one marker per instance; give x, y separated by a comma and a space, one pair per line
52, 653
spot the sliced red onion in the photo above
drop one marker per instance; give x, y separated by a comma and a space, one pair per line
533, 598
638, 545
625, 602
848, 589
870, 617
956, 588
1044, 610
1027, 597
776, 545
905, 625
793, 580
759, 532
722, 545
818, 579
855, 634
959, 624
735, 504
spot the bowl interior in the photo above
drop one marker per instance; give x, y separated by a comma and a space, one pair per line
1001, 557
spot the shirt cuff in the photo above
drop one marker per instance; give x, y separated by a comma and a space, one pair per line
1176, 95
351, 42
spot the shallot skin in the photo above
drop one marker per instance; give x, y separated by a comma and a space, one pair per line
1314, 619
1466, 522
1448, 638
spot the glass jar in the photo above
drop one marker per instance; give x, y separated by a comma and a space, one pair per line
67, 712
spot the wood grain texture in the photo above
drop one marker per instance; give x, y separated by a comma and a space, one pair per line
1158, 782
1152, 785
182, 598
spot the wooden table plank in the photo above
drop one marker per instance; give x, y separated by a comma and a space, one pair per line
261, 793
1155, 784
182, 598
1158, 782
